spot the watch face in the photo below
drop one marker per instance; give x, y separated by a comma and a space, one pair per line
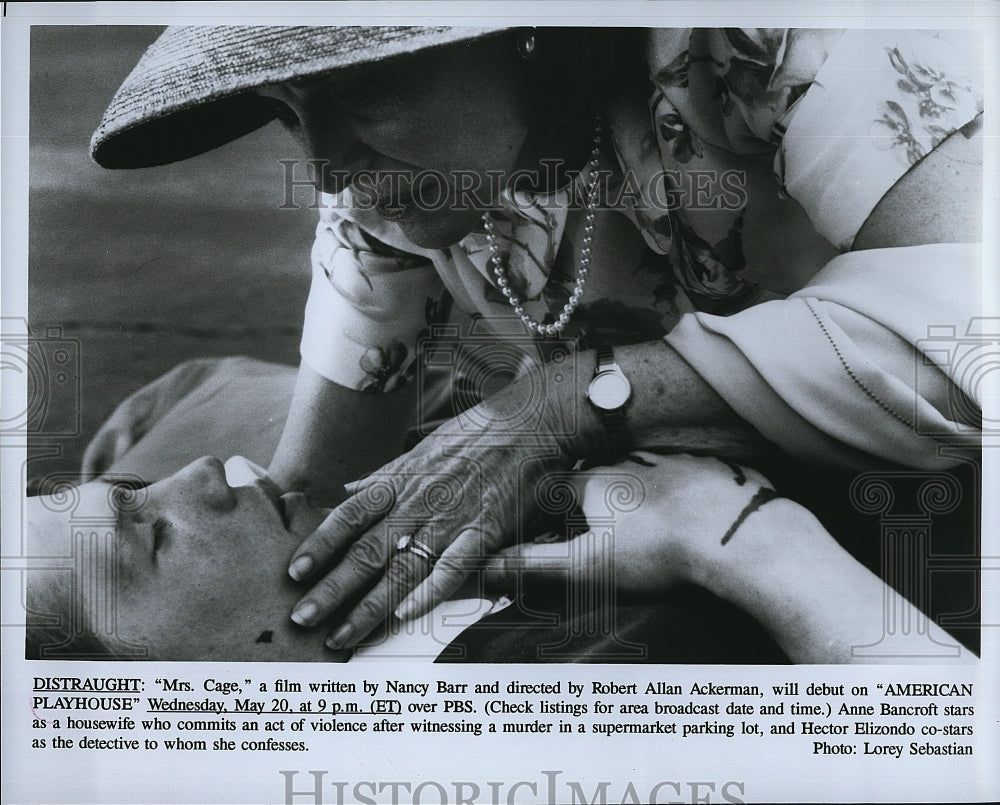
609, 390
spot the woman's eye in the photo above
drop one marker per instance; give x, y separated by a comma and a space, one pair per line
360, 95
283, 114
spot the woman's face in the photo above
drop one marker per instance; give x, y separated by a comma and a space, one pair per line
190, 567
410, 134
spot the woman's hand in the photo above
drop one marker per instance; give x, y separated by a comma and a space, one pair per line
455, 499
473, 485
654, 521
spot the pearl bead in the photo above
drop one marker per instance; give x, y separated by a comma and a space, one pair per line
500, 271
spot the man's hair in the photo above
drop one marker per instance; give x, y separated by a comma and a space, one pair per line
52, 643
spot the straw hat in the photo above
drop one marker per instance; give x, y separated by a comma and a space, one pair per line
189, 91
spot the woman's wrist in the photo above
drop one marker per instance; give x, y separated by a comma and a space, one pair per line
572, 418
671, 407
334, 435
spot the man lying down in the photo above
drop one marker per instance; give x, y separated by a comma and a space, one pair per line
191, 567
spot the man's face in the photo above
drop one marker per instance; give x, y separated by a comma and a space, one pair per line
195, 569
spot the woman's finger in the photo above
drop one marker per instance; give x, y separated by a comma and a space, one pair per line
465, 554
355, 486
404, 569
362, 564
353, 517
472, 551
542, 560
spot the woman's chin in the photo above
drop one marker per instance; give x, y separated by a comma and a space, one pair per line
430, 230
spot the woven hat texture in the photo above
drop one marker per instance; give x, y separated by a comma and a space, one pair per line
189, 91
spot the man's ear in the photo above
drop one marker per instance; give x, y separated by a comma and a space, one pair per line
301, 517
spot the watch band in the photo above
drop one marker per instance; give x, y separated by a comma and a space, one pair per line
605, 355
614, 426
613, 420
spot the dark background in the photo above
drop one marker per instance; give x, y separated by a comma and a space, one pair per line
138, 270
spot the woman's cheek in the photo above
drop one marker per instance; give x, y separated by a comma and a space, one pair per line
399, 140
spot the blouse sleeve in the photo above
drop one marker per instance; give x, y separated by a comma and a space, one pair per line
874, 360
368, 306
879, 357
881, 101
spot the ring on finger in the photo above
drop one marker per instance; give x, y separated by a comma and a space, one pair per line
408, 542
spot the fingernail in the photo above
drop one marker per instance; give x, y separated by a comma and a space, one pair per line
301, 568
405, 610
304, 613
340, 637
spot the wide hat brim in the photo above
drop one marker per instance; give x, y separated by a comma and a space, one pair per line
191, 90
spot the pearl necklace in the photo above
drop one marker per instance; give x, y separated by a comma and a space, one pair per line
500, 271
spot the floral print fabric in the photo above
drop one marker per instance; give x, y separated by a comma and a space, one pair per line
732, 119
855, 134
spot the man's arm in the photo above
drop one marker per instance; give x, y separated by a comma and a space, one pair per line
818, 602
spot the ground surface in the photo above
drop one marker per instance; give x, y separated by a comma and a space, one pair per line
142, 269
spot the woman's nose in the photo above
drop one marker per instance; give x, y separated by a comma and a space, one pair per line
329, 164
205, 481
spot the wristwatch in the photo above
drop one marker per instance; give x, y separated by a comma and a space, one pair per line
609, 392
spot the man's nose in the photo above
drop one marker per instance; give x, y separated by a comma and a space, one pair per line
205, 480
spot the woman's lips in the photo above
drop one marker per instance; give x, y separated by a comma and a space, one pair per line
399, 200
395, 209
